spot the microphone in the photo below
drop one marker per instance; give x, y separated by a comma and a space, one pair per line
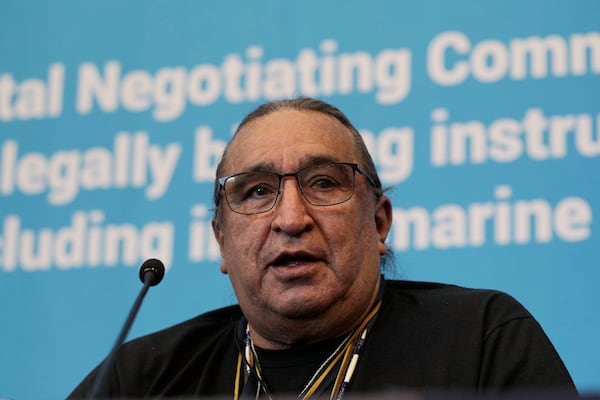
151, 273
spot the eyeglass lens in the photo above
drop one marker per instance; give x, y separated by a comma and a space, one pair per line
321, 185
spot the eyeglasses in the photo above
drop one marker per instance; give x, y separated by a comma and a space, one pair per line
321, 185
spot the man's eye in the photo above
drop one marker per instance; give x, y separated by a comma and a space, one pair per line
257, 191
261, 190
323, 183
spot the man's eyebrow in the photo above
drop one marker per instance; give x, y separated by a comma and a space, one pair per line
316, 160
304, 162
260, 167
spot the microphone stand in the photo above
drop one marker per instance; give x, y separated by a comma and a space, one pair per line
151, 273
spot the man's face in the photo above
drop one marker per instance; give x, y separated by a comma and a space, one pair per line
299, 262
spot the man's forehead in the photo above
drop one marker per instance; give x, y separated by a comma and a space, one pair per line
301, 137
306, 161
291, 121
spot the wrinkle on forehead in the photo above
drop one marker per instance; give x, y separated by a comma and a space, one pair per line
306, 137
304, 162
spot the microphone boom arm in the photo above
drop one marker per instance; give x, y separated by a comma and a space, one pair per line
151, 273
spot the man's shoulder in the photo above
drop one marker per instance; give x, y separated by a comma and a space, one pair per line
457, 300
212, 324
435, 290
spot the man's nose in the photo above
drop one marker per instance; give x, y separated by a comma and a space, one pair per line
291, 211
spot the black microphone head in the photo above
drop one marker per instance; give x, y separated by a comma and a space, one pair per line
152, 271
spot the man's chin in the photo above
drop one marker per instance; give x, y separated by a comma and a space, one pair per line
302, 307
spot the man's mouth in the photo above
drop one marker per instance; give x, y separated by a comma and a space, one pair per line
293, 259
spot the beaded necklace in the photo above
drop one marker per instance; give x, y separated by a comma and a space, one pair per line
345, 356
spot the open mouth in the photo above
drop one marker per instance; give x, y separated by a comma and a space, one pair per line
293, 259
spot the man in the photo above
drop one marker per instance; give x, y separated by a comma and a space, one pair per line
301, 220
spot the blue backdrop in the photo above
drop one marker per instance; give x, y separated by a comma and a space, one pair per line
484, 118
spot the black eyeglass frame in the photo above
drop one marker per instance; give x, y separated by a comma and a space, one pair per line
355, 168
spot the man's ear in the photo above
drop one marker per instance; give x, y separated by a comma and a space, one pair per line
218, 232
383, 221
223, 267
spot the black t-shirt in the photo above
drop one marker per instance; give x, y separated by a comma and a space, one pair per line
289, 370
426, 336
